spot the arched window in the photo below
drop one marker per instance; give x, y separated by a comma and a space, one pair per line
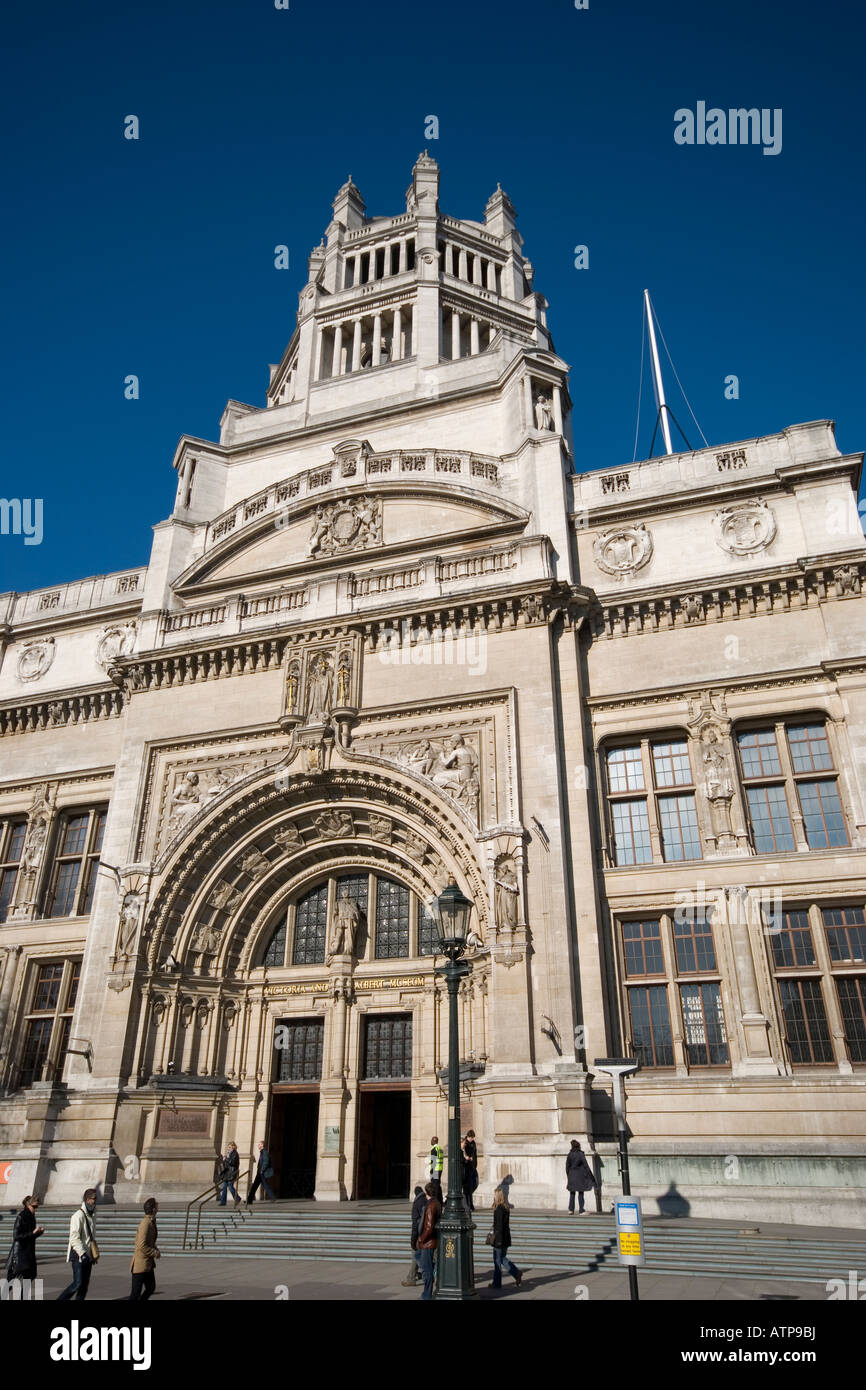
395, 924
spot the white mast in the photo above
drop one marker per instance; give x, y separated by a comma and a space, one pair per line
658, 384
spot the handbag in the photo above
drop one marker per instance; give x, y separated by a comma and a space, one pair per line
490, 1238
94, 1251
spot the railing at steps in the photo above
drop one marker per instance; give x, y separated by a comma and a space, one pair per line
210, 1194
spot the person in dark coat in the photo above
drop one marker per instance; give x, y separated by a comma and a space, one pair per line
22, 1257
418, 1208
501, 1241
264, 1170
428, 1241
229, 1174
579, 1177
470, 1168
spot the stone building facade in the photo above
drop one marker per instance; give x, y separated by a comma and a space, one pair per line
390, 637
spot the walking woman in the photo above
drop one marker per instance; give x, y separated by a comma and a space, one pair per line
501, 1241
22, 1256
579, 1177
229, 1175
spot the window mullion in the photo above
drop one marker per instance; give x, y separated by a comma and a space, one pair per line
674, 1001
652, 808
798, 823
831, 998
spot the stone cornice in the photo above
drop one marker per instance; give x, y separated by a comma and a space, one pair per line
788, 588
682, 694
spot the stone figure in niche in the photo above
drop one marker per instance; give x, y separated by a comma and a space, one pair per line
847, 579
385, 351
255, 863
543, 413
335, 823
693, 607
185, 799
507, 894
344, 676
206, 940
718, 781
130, 913
288, 837
224, 897
293, 680
344, 929
380, 828
319, 699
36, 837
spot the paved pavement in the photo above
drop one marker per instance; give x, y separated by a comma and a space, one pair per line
209, 1279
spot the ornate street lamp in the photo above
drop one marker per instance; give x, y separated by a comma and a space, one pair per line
451, 912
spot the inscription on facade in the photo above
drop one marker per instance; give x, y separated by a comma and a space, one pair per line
183, 1122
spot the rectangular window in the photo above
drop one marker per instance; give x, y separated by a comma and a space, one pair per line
810, 751
37, 1039
759, 753
76, 861
679, 826
311, 927
642, 947
846, 934
771, 824
47, 989
805, 1021
300, 1059
651, 1025
693, 940
704, 1025
671, 764
631, 832
12, 836
791, 938
822, 812
392, 920
387, 1046
852, 1004
625, 770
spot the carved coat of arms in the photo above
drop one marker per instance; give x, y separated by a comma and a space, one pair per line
623, 550
745, 527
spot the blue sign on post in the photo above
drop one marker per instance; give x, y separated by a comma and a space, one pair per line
629, 1231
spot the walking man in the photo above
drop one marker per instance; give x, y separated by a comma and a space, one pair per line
146, 1254
229, 1174
437, 1163
264, 1170
418, 1206
82, 1252
428, 1240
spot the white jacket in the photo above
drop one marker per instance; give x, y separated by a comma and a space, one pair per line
80, 1232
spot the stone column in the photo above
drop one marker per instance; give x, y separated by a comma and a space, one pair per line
333, 1160
455, 335
10, 972
473, 335
403, 255
377, 340
356, 346
338, 350
491, 276
463, 267
737, 910
557, 409
527, 402
396, 337
476, 271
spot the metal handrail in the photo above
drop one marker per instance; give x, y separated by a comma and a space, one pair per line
210, 1194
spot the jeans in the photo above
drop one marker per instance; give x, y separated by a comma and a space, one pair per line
425, 1264
143, 1285
500, 1262
227, 1187
580, 1199
262, 1181
81, 1272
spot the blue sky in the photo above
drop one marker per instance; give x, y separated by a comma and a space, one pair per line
155, 257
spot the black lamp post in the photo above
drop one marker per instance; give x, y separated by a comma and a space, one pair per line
451, 911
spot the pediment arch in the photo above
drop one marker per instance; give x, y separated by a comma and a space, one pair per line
230, 874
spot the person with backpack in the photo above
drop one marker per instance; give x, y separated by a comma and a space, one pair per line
82, 1251
579, 1177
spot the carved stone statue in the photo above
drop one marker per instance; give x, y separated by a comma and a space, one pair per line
847, 579
37, 834
185, 799
130, 913
507, 894
380, 828
224, 897
335, 823
206, 940
293, 680
345, 923
255, 863
288, 837
319, 694
543, 413
344, 676
458, 774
